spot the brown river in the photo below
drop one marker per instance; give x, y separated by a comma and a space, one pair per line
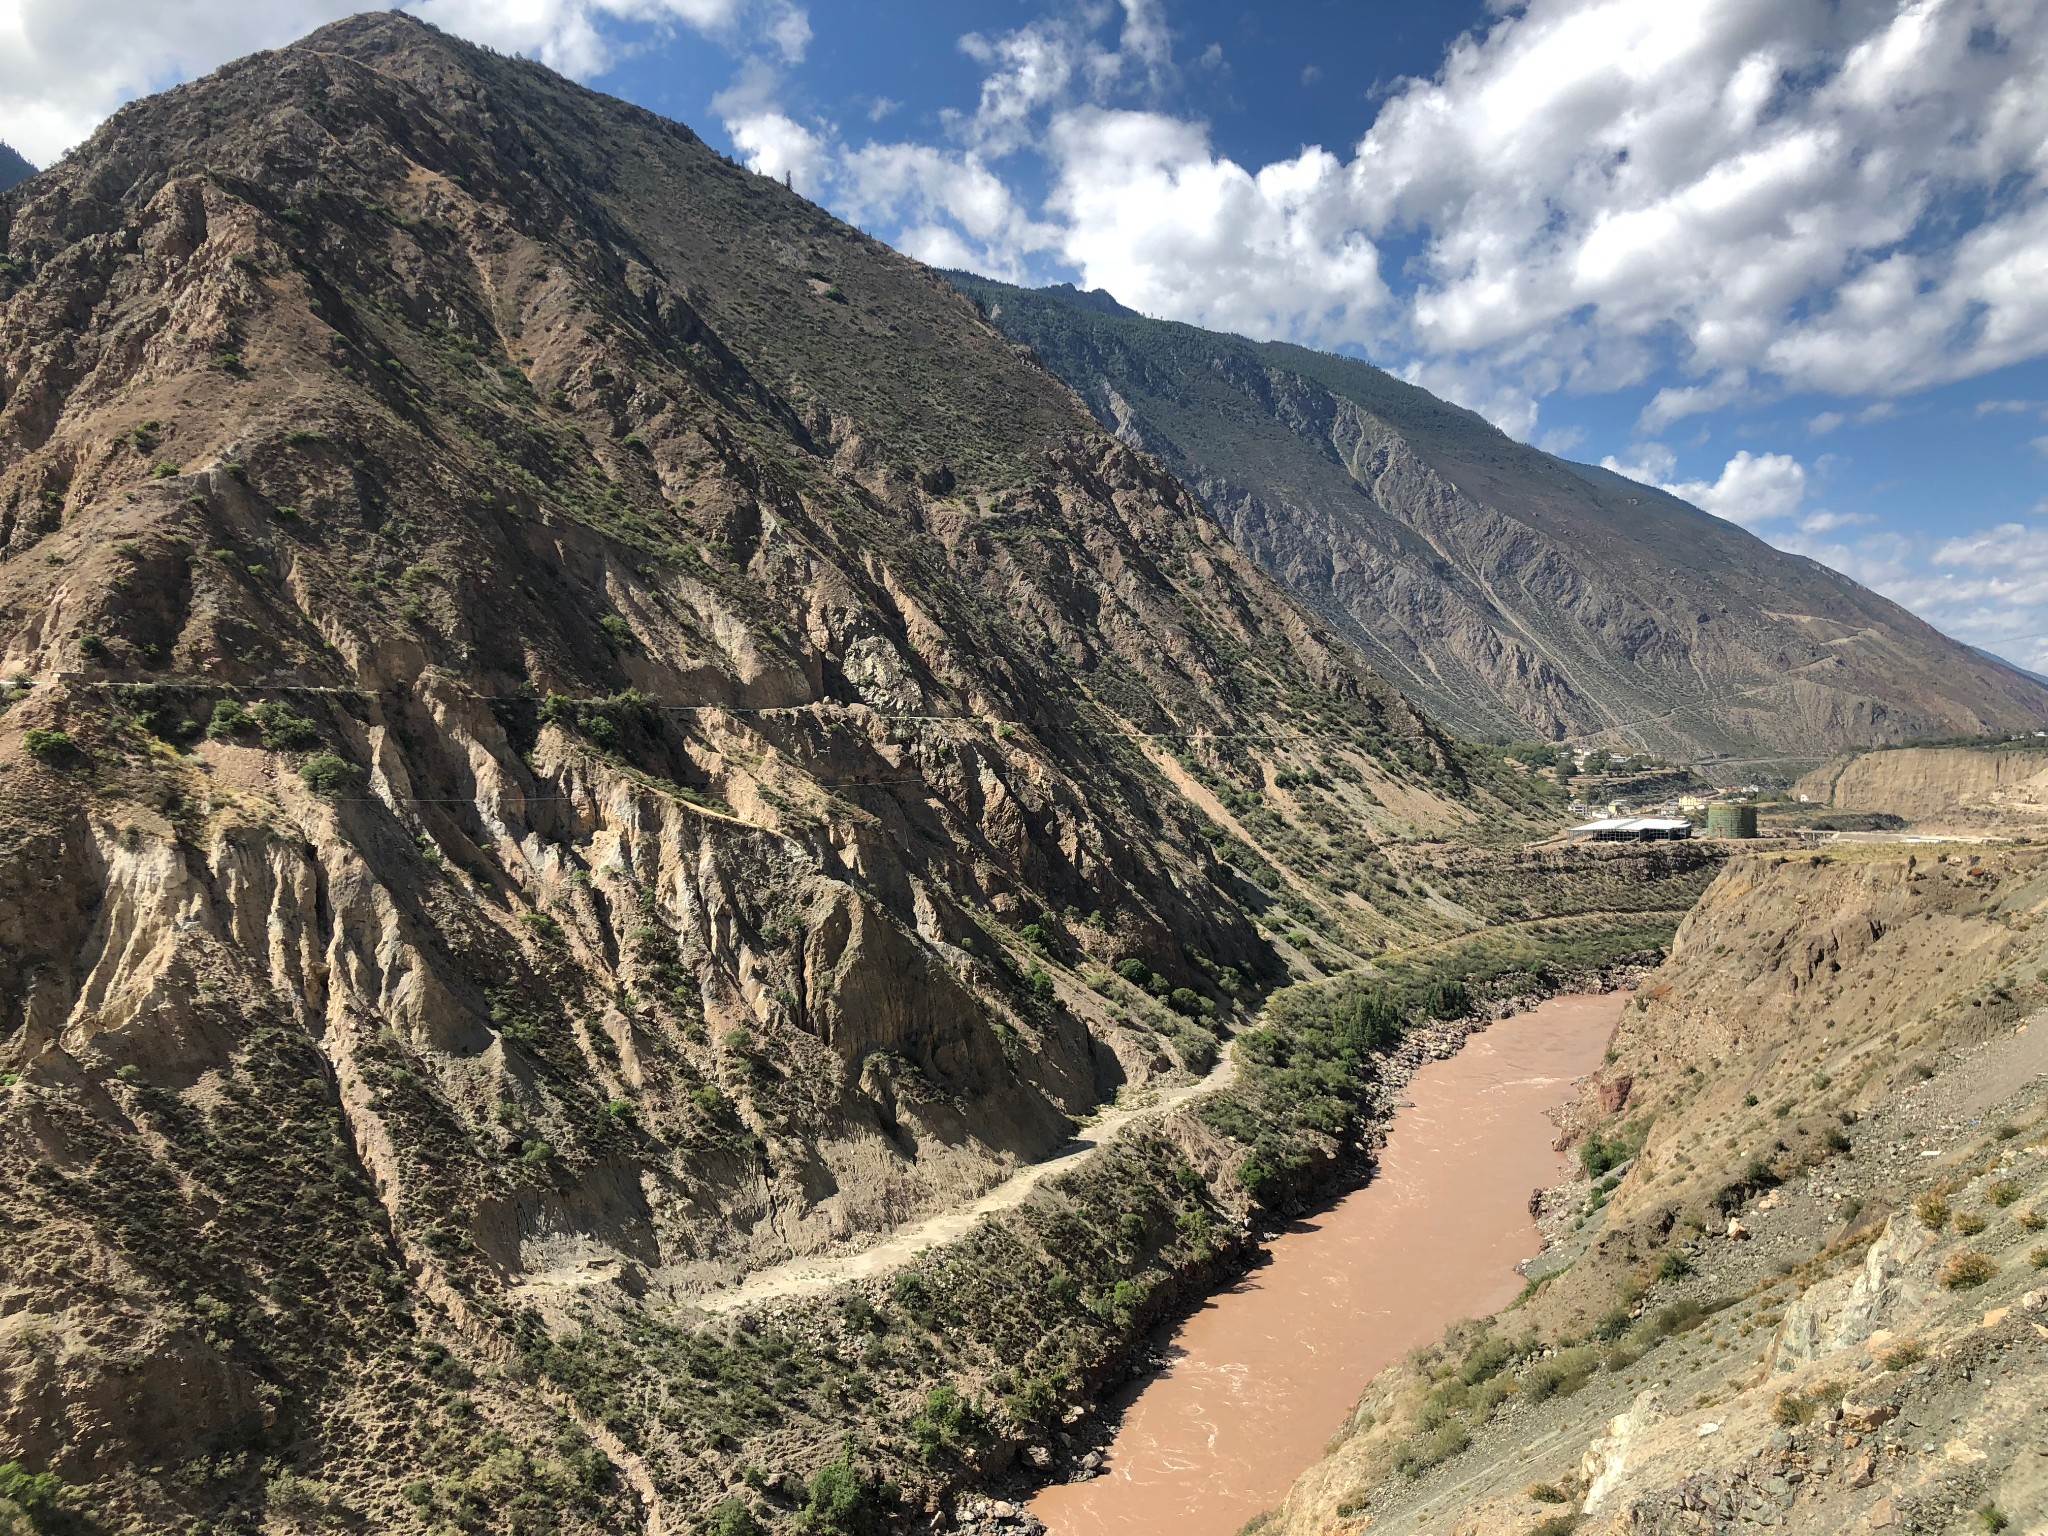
1265, 1372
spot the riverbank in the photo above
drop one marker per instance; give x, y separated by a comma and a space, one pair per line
946, 1392
1260, 1376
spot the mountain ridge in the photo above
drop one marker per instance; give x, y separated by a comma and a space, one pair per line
576, 730
1509, 591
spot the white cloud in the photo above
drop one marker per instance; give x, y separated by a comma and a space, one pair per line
1817, 523
1753, 488
64, 65
1826, 422
1758, 195
781, 147
1989, 588
1153, 215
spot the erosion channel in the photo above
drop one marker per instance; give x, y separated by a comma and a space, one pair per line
1260, 1377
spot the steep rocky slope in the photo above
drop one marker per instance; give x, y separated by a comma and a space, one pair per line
2001, 787
1809, 1289
576, 729
1509, 592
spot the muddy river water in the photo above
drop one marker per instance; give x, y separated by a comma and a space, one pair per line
1265, 1372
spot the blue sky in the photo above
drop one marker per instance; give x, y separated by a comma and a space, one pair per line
1786, 257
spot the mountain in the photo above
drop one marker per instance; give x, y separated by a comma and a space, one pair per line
1508, 592
13, 169
2029, 674
576, 730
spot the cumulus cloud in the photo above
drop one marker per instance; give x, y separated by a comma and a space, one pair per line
1758, 195
1760, 188
1753, 488
1149, 212
64, 66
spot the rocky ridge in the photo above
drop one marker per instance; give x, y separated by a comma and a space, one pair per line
1509, 592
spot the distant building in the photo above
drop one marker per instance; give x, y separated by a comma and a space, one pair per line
1633, 829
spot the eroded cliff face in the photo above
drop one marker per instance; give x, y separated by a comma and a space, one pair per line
1803, 1285
1505, 590
1991, 787
573, 723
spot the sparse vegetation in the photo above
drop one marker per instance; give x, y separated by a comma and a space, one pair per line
327, 774
1966, 1271
53, 747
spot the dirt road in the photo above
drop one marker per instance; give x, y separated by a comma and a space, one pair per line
820, 1272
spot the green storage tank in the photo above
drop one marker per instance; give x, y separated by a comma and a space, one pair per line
1731, 821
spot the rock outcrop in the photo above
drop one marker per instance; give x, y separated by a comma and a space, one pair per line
1992, 787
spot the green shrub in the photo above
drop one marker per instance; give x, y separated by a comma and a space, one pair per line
326, 774
1559, 1376
2004, 1192
734, 1518
1196, 1048
230, 719
39, 1496
1486, 1359
1431, 1449
283, 729
1599, 1154
1932, 1209
841, 1502
1449, 1000
1033, 1403
946, 1419
1673, 1265
49, 746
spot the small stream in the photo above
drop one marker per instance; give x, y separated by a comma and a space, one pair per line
1264, 1374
